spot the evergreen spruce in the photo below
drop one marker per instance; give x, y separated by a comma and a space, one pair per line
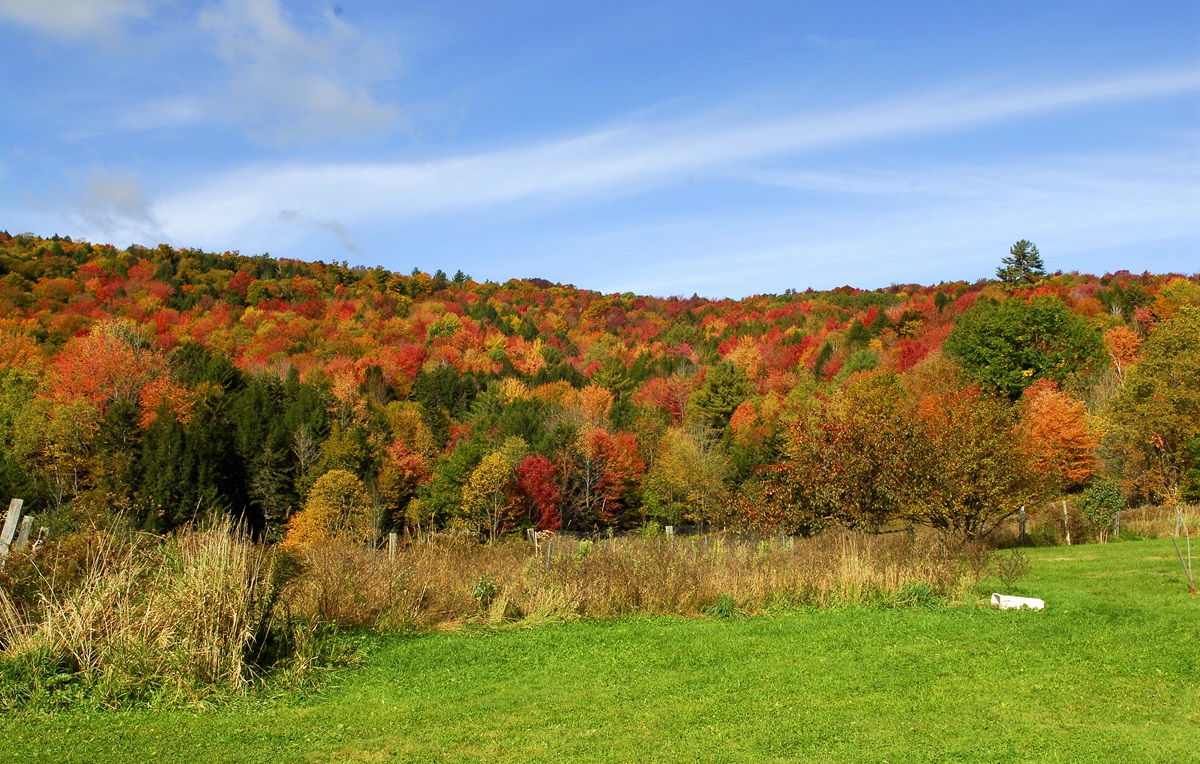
1022, 266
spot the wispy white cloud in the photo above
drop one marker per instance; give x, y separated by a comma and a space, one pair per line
115, 205
74, 18
293, 85
162, 113
620, 160
332, 226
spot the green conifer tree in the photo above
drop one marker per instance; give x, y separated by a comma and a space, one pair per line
1022, 266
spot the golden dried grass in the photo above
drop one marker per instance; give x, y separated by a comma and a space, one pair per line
149, 616
438, 583
1159, 521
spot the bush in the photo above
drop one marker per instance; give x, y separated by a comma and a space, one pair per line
1100, 502
486, 591
337, 507
1011, 567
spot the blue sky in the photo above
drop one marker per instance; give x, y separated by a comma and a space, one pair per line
657, 147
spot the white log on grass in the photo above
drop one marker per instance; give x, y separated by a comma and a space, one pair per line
1009, 602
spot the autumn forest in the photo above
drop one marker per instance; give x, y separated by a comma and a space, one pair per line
312, 400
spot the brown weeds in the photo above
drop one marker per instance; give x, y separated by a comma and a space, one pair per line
151, 616
1157, 522
438, 583
206, 610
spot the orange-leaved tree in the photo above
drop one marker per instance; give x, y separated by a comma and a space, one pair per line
1054, 428
1155, 416
849, 456
600, 471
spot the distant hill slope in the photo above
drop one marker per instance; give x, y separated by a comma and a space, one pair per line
394, 377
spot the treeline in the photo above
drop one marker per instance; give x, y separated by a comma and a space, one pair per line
309, 398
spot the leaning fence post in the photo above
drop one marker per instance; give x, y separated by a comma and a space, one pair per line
10, 525
23, 535
549, 551
1066, 522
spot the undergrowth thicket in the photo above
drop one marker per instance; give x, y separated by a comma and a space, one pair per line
113, 618
452, 580
140, 619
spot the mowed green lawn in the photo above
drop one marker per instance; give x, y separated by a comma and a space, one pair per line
1109, 672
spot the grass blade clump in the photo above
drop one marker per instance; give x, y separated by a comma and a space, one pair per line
180, 619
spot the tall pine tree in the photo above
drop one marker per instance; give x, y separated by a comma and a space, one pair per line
1022, 266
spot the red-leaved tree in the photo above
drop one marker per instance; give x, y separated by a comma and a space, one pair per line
539, 493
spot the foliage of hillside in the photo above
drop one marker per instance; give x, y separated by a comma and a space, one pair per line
174, 384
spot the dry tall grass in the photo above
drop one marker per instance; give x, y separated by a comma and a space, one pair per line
207, 610
1159, 522
452, 580
180, 617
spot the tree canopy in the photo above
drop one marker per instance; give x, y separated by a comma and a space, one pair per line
167, 385
1009, 345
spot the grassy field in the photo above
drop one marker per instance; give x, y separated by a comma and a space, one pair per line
1110, 671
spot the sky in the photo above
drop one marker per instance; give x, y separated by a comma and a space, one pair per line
666, 148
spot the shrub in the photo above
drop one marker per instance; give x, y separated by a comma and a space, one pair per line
1100, 502
486, 590
1011, 567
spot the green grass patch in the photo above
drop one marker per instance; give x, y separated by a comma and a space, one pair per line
1108, 672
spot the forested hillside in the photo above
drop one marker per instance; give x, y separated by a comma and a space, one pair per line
314, 399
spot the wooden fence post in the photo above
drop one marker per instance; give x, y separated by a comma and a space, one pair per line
1066, 522
392, 540
1022, 524
10, 526
23, 534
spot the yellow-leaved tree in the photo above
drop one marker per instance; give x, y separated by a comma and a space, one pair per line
487, 495
687, 483
337, 507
